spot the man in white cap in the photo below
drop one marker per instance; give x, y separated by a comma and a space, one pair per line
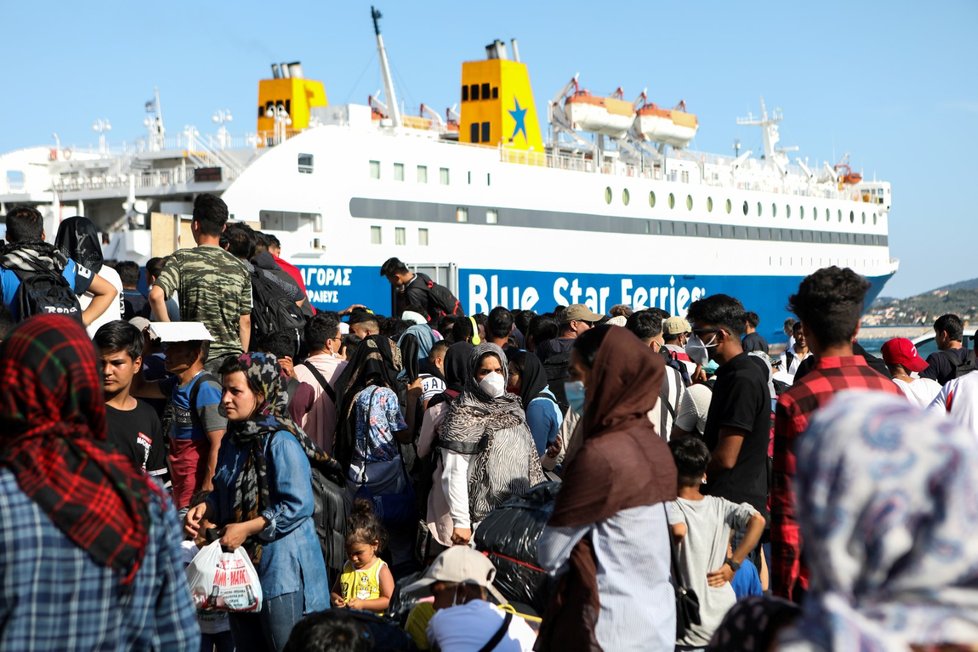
460, 579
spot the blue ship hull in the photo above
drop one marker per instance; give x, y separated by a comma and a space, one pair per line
334, 288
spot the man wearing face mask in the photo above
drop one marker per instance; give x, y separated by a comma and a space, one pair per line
321, 370
555, 354
738, 424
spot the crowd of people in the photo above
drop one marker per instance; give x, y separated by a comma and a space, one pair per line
501, 481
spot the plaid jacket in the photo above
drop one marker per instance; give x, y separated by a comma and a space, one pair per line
54, 596
794, 409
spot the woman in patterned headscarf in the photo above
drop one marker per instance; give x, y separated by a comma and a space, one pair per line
886, 501
489, 451
263, 499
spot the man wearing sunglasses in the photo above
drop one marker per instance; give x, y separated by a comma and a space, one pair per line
738, 423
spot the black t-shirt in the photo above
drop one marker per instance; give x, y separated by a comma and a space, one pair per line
754, 342
137, 434
942, 365
741, 400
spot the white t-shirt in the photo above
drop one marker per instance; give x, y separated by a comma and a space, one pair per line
469, 626
115, 310
921, 392
962, 394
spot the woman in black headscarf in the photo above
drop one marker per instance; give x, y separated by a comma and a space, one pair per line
78, 239
528, 379
489, 454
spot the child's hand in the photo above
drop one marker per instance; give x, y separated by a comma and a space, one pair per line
720, 576
338, 601
355, 604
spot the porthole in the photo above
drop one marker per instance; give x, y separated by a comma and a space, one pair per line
774, 210
801, 212
760, 210
729, 206
827, 212
874, 218
709, 204
852, 217
625, 197
672, 200
607, 195
839, 214
787, 211
652, 199
746, 208
689, 202
864, 217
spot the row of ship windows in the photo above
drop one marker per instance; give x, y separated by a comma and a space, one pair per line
400, 236
444, 174
728, 207
667, 228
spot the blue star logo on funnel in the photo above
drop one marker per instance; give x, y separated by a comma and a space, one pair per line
519, 116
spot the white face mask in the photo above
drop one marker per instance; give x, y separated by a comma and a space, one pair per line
698, 351
493, 384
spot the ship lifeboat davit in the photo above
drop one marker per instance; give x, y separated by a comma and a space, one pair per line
846, 175
670, 126
609, 116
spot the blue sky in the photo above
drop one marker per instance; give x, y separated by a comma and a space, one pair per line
894, 84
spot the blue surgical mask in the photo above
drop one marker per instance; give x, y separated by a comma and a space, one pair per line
574, 390
711, 367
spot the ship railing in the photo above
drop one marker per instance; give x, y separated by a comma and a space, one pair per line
157, 178
274, 137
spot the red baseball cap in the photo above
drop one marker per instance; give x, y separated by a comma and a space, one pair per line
901, 351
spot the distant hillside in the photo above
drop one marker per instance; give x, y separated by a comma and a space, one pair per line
959, 298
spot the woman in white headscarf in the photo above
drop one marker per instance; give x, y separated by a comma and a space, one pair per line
887, 503
489, 454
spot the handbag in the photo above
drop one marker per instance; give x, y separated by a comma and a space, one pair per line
687, 602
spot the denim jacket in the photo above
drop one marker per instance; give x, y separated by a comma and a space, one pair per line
291, 556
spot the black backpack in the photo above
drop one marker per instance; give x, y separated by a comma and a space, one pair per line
44, 291
273, 313
557, 368
441, 301
961, 367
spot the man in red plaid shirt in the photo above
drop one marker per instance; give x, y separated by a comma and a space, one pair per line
829, 304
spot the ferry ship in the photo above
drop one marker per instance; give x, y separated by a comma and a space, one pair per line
603, 204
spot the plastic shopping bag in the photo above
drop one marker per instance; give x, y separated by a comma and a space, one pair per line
224, 581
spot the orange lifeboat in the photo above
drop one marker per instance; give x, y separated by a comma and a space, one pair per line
846, 175
609, 116
673, 127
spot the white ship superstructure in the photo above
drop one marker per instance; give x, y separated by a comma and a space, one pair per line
612, 209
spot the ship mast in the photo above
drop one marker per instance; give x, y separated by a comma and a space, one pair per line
393, 112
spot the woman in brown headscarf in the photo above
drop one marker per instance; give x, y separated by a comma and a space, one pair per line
607, 539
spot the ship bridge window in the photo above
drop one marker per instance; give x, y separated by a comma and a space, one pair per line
672, 200
422, 174
400, 235
375, 235
746, 208
423, 237
492, 216
288, 221
607, 195
443, 176
461, 214
305, 163
652, 199
398, 172
625, 197
374, 169
689, 202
